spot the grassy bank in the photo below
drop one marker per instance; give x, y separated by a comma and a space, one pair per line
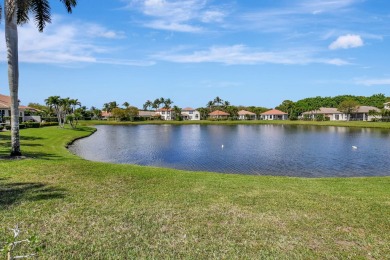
82, 209
384, 125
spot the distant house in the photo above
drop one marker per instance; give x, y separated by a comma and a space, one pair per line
274, 114
386, 105
218, 114
361, 114
146, 114
166, 114
189, 113
105, 115
332, 113
246, 115
5, 110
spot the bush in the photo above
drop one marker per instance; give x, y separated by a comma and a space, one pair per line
32, 124
49, 124
50, 119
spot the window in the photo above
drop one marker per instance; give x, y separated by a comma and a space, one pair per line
196, 115
191, 112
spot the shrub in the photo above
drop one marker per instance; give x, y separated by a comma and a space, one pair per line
32, 124
49, 124
50, 119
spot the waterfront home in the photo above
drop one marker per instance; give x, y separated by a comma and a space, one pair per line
274, 114
246, 115
361, 114
386, 105
5, 110
328, 112
105, 115
218, 114
189, 113
147, 114
166, 114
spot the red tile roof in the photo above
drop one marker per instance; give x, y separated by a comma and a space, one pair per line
244, 112
164, 109
274, 112
188, 109
106, 114
219, 113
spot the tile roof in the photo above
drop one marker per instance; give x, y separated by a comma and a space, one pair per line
274, 112
188, 109
219, 113
164, 109
365, 109
323, 110
244, 112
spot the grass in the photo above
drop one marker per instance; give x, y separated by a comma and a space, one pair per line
82, 209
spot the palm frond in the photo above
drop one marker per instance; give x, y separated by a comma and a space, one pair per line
69, 4
22, 11
41, 11
1, 12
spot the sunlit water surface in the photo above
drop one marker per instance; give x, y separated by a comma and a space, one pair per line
309, 151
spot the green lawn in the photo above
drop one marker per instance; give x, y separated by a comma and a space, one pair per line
90, 210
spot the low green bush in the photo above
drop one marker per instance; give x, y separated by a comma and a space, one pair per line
48, 124
32, 124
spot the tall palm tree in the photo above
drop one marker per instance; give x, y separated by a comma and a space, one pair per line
167, 105
148, 104
126, 104
17, 13
218, 101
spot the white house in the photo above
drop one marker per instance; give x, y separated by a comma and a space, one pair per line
387, 105
246, 115
166, 114
274, 114
332, 113
361, 114
189, 113
5, 108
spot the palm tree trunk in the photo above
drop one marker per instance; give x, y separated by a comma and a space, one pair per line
11, 39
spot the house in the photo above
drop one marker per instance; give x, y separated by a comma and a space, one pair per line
5, 109
189, 113
146, 114
386, 106
332, 113
105, 115
274, 114
361, 114
218, 114
246, 115
166, 114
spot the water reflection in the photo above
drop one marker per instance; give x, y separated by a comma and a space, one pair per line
310, 151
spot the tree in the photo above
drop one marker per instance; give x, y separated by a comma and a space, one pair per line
177, 111
17, 13
126, 104
218, 101
148, 104
348, 107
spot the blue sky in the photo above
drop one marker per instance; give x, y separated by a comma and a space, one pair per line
247, 52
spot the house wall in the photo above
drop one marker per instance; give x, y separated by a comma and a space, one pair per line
193, 114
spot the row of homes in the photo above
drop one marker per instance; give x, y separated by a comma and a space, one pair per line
5, 110
272, 114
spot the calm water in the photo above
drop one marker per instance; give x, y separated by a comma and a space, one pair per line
308, 151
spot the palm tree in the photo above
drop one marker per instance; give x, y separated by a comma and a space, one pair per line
148, 104
218, 101
210, 105
156, 104
167, 106
53, 102
17, 13
126, 104
226, 104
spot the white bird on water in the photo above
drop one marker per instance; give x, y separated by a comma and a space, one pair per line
354, 147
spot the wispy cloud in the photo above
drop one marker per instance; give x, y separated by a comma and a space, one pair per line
346, 42
178, 15
373, 82
65, 43
241, 54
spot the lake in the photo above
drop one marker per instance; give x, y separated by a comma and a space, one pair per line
279, 150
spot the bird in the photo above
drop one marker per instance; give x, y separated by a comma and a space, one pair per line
354, 147
222, 146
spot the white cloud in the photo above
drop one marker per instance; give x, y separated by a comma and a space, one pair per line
175, 15
64, 43
346, 42
373, 82
240, 54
